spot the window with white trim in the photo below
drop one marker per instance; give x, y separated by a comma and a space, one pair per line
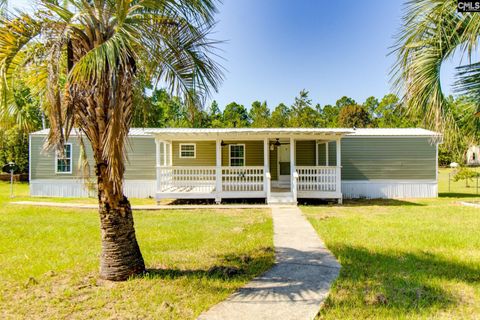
188, 150
237, 155
63, 163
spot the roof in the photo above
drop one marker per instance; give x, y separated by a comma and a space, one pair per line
248, 131
417, 132
133, 132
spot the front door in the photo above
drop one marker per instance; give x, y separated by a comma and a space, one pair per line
284, 164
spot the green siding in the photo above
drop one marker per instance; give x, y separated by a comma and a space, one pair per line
305, 152
388, 158
43, 162
140, 164
205, 154
253, 153
332, 153
141, 161
206, 151
273, 163
322, 154
362, 158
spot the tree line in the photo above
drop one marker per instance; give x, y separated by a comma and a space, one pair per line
163, 110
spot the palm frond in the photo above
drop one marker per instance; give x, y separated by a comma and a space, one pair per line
15, 34
431, 33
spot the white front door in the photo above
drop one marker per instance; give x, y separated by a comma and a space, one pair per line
284, 163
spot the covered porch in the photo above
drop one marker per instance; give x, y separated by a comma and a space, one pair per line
279, 165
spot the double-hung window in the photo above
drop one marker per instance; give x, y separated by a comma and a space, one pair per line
237, 155
188, 150
63, 162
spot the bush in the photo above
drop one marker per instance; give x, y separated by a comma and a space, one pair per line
14, 147
465, 174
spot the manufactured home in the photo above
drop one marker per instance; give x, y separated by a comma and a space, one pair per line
277, 164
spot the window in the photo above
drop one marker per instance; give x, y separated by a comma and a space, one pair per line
237, 155
187, 150
64, 162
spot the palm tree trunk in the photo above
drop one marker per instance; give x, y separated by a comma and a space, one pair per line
121, 256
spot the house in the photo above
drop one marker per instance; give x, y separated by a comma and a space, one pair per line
278, 164
472, 156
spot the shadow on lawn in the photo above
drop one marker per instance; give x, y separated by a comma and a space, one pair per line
232, 266
403, 282
457, 195
362, 202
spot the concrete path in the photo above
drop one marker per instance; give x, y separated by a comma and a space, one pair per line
141, 207
298, 283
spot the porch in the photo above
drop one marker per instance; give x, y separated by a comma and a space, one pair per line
279, 167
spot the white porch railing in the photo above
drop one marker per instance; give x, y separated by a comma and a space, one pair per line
315, 178
186, 179
203, 179
242, 178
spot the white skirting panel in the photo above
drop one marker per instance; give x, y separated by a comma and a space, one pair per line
140, 188
76, 188
389, 189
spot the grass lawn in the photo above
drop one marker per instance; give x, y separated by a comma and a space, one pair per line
49, 261
456, 189
411, 259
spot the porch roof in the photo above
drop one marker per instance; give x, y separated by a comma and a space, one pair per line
260, 132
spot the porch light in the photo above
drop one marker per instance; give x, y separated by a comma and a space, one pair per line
277, 143
223, 144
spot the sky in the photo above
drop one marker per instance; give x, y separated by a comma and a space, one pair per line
275, 48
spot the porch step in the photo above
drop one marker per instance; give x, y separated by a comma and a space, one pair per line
281, 198
283, 184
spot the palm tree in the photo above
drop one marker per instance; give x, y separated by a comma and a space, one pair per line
432, 32
89, 60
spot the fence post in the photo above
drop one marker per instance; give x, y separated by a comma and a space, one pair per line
449, 182
11, 183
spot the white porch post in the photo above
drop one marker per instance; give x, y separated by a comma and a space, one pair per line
158, 167
293, 170
339, 170
326, 153
218, 171
164, 153
266, 167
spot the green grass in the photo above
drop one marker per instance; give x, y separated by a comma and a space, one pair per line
49, 261
456, 189
416, 259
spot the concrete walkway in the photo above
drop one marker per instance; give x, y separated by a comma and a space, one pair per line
298, 283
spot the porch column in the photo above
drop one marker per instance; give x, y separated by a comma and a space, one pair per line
266, 167
164, 153
326, 153
218, 171
158, 165
339, 170
293, 170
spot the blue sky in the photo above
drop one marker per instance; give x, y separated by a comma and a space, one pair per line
275, 48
